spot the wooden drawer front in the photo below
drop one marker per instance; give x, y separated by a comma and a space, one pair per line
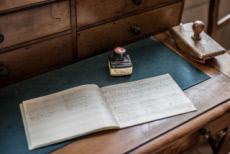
93, 12
34, 23
12, 4
35, 59
109, 35
190, 140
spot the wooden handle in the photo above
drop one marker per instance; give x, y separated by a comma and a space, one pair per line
197, 27
1, 38
4, 72
206, 134
136, 30
137, 2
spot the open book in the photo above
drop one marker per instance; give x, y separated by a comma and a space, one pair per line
88, 108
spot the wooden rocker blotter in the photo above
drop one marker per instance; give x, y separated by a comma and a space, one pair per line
195, 43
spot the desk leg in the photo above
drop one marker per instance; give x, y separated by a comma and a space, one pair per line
224, 145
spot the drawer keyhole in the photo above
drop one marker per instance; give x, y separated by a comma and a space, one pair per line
4, 72
1, 38
137, 2
136, 30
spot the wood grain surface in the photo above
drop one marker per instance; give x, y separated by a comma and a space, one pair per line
73, 27
204, 48
167, 39
158, 134
13, 5
17, 46
188, 134
223, 146
91, 13
6, 4
112, 34
34, 23
213, 14
221, 62
36, 59
189, 139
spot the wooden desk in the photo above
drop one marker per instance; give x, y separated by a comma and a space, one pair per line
174, 134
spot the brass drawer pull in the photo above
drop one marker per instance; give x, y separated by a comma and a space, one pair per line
136, 30
1, 38
137, 2
4, 72
206, 134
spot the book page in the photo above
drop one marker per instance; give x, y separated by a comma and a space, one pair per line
65, 115
146, 100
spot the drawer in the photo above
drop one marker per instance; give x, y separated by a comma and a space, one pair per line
34, 23
109, 35
192, 139
36, 59
94, 12
12, 4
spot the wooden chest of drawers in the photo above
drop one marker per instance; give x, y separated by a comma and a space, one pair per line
37, 36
